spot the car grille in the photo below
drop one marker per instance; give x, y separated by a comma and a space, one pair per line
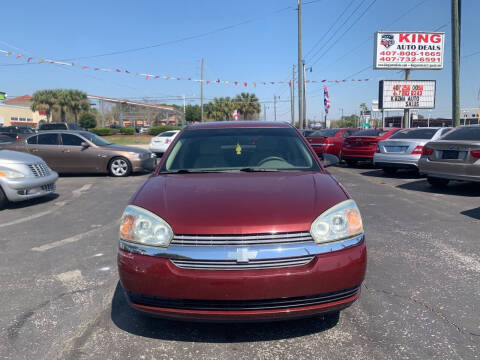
49, 187
234, 240
234, 265
40, 169
235, 305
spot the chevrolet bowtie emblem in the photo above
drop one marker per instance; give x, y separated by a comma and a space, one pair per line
242, 255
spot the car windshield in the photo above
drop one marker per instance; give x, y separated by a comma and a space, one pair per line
370, 132
464, 133
324, 133
167, 134
239, 149
426, 133
97, 140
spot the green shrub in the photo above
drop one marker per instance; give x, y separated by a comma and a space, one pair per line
87, 120
155, 130
104, 131
127, 130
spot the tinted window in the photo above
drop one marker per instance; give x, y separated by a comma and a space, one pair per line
324, 132
234, 149
53, 127
48, 139
71, 140
167, 134
425, 133
370, 132
5, 139
464, 133
97, 140
446, 130
32, 140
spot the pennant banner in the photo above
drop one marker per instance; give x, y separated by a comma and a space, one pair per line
30, 59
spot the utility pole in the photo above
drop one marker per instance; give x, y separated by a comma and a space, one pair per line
184, 120
264, 112
406, 112
292, 96
201, 90
275, 106
456, 6
300, 64
304, 120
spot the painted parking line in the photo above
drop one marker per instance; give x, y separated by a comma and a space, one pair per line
72, 239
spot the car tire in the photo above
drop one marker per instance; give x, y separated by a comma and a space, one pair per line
3, 199
119, 167
351, 162
389, 170
437, 182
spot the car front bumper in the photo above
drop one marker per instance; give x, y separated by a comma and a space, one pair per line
158, 148
28, 187
329, 282
450, 171
148, 164
396, 160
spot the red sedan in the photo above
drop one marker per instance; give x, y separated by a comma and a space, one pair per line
329, 140
241, 222
362, 145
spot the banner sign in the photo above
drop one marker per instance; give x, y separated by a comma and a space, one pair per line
3, 95
406, 94
409, 50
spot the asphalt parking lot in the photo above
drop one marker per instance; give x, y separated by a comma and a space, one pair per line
60, 296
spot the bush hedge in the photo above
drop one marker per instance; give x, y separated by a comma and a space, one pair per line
155, 130
104, 131
127, 130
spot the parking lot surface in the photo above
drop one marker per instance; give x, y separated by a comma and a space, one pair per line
60, 296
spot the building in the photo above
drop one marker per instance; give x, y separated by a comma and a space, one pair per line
17, 111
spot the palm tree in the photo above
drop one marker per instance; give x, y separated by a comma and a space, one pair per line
76, 101
247, 104
44, 100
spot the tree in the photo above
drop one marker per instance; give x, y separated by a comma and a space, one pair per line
63, 100
44, 100
88, 120
193, 113
247, 104
76, 101
347, 121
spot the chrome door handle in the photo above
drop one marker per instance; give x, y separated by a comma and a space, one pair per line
65, 151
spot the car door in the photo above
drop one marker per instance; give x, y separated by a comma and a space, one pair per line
77, 158
48, 148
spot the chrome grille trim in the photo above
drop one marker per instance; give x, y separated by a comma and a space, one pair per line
234, 240
49, 187
233, 265
39, 169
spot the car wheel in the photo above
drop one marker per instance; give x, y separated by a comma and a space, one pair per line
3, 199
437, 182
389, 170
119, 167
351, 162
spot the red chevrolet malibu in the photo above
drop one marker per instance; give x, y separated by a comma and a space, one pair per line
329, 141
241, 222
362, 145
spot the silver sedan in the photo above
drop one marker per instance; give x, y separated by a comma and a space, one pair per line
403, 149
24, 176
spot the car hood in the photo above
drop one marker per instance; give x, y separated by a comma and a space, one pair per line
15, 157
239, 203
125, 148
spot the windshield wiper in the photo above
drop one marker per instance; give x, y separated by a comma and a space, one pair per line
251, 169
186, 171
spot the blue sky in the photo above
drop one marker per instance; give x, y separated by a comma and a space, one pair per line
262, 47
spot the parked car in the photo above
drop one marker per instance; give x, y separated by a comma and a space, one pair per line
404, 148
16, 132
160, 143
362, 145
144, 129
329, 141
4, 139
241, 222
456, 156
306, 132
24, 176
83, 152
59, 126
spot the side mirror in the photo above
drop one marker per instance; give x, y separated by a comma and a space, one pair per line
85, 144
329, 160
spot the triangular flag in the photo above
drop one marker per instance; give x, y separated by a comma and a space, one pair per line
235, 82
41, 61
9, 53
19, 56
127, 72
245, 84
85, 67
207, 82
29, 59
254, 84
96, 69
118, 70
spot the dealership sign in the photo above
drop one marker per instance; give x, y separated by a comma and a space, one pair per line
406, 94
409, 50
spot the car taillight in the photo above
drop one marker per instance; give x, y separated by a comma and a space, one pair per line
427, 151
419, 150
475, 154
17, 138
167, 141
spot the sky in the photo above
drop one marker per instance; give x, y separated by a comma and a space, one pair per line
245, 41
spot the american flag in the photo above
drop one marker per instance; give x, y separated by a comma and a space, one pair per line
326, 99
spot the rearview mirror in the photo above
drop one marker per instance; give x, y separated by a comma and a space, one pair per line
329, 160
85, 144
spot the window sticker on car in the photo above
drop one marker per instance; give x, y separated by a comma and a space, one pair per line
238, 149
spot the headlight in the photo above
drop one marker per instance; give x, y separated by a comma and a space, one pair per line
11, 174
138, 155
143, 227
339, 222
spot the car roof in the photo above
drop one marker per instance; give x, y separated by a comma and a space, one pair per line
237, 124
63, 131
